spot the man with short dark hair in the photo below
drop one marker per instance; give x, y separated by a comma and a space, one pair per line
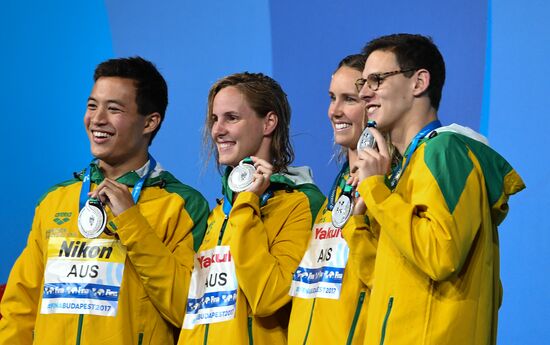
434, 215
110, 253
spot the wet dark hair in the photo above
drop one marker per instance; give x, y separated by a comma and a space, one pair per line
264, 95
151, 88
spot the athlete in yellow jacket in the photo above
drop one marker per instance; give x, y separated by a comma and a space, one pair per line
266, 240
258, 233
441, 283
436, 278
331, 310
339, 320
123, 286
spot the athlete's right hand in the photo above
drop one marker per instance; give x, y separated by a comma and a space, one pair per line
373, 162
262, 176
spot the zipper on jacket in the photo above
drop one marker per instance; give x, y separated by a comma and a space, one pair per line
309, 322
207, 326
206, 333
222, 230
385, 323
250, 338
356, 317
79, 329
140, 338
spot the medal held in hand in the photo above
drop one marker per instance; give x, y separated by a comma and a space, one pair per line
343, 208
242, 176
367, 139
92, 219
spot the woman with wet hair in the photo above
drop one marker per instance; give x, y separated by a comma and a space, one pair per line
259, 230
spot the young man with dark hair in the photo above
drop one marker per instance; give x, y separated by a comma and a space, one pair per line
436, 274
110, 253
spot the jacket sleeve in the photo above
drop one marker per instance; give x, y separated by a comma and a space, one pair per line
264, 271
21, 297
362, 243
435, 229
163, 264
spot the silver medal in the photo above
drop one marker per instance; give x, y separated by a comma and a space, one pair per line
366, 140
241, 177
342, 211
92, 219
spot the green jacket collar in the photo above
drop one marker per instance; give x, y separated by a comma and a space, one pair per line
129, 179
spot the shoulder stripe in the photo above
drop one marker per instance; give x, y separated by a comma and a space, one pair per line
57, 186
315, 197
194, 203
494, 167
447, 159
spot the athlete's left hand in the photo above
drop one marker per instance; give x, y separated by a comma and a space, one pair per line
263, 173
113, 194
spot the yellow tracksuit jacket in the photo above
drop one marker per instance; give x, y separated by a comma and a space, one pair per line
436, 275
266, 243
161, 234
329, 321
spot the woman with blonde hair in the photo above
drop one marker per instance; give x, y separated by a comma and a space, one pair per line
329, 304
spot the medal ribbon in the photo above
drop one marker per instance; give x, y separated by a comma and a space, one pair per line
135, 192
248, 160
341, 183
398, 172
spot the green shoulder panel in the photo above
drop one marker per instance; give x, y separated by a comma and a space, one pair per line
300, 178
195, 205
446, 156
494, 167
57, 186
315, 197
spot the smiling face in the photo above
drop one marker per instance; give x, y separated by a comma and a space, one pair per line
346, 109
237, 131
390, 105
118, 134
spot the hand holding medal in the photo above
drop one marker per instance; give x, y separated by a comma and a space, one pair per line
93, 217
251, 175
350, 202
113, 194
372, 161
